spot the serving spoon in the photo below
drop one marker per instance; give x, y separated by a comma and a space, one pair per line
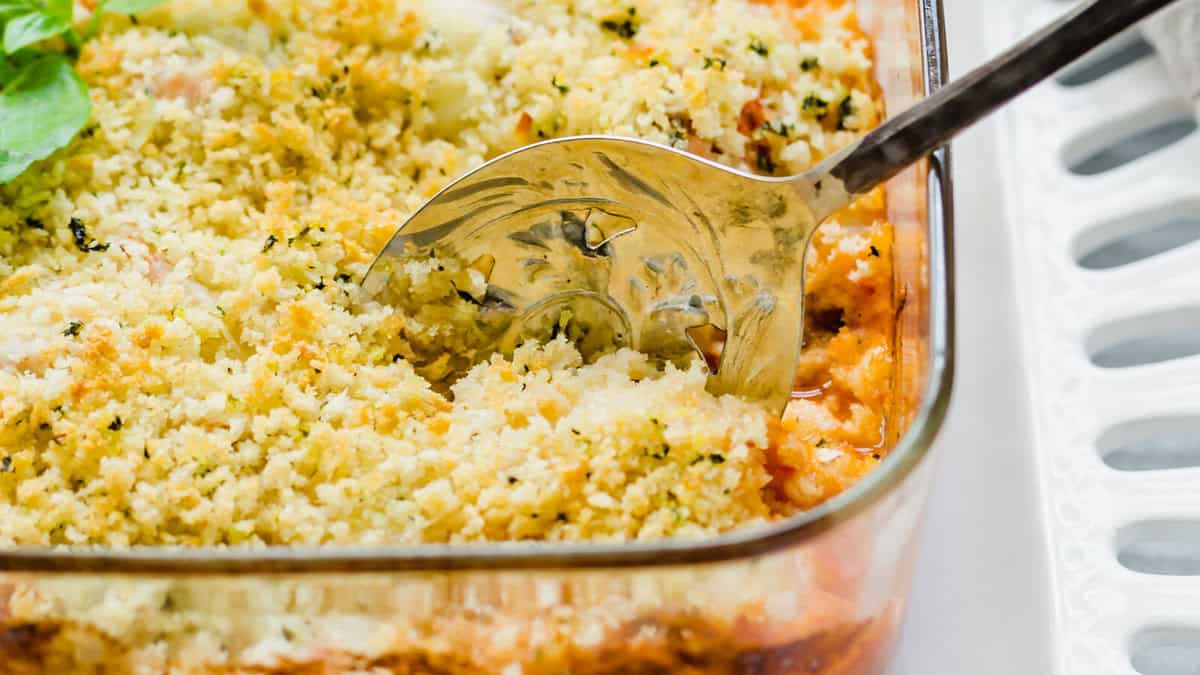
623, 242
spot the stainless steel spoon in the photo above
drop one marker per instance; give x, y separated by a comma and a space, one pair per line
623, 242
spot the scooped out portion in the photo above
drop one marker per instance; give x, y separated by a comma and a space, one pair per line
186, 358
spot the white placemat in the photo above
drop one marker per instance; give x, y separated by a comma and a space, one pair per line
1093, 174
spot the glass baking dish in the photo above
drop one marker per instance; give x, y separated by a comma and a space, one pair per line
818, 593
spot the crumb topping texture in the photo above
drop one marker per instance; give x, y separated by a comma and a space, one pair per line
184, 359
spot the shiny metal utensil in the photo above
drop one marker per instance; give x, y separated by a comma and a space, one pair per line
623, 242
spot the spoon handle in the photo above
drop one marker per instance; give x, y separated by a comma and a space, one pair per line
916, 132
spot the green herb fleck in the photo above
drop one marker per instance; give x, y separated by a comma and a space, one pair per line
512, 480
716, 458
816, 104
810, 63
271, 241
714, 62
562, 88
80, 236
73, 329
763, 159
116, 424
344, 278
758, 47
300, 235
778, 128
845, 109
624, 28
874, 251
34, 224
6, 464
659, 453
561, 517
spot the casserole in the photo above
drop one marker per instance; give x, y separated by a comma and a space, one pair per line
818, 592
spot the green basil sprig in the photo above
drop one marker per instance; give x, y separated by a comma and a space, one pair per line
43, 101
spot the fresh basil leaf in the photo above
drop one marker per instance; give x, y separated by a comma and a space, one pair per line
62, 9
13, 64
11, 8
27, 29
41, 110
131, 6
8, 71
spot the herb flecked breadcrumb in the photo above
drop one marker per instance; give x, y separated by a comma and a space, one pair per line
187, 360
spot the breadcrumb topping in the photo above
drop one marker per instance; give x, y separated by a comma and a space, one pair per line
185, 359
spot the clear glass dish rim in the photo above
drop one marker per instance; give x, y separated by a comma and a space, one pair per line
911, 449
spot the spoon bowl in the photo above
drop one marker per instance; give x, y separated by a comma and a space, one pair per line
639, 244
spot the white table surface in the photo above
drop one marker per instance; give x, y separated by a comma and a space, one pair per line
980, 603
